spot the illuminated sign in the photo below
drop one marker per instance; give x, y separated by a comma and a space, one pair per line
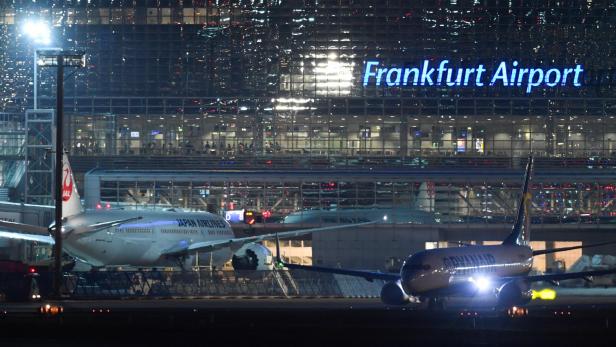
461, 145
479, 145
234, 216
440, 74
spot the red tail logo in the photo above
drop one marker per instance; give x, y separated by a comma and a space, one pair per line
67, 185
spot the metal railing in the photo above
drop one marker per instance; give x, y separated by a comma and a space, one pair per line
169, 284
277, 162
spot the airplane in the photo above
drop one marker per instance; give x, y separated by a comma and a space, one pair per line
147, 238
419, 212
351, 215
431, 276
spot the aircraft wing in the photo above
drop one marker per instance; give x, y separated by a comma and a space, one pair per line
368, 275
25, 232
562, 276
28, 237
555, 250
25, 228
208, 246
92, 228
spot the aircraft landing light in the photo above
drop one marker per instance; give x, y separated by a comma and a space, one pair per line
483, 284
51, 309
517, 312
544, 294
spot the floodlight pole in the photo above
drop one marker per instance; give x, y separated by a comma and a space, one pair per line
58, 59
57, 275
35, 77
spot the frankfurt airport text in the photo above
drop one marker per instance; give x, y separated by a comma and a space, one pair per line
508, 75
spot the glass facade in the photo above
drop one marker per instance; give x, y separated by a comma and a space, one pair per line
449, 199
285, 78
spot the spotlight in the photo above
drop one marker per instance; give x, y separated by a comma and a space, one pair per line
482, 284
38, 31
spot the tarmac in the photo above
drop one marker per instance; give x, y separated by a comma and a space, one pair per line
577, 317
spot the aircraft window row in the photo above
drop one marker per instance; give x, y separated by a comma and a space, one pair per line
135, 230
179, 231
481, 269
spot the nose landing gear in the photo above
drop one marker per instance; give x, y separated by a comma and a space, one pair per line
436, 303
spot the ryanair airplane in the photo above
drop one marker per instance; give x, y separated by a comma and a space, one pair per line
147, 238
432, 275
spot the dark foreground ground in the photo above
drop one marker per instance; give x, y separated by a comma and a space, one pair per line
568, 321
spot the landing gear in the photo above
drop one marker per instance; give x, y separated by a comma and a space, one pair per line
184, 263
179, 261
436, 303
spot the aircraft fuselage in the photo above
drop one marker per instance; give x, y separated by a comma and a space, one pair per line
432, 270
141, 242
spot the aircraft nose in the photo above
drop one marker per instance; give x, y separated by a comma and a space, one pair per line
412, 269
408, 273
406, 279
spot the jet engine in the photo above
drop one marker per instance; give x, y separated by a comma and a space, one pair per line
393, 294
514, 293
253, 256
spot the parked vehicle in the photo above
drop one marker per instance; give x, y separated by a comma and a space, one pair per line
18, 281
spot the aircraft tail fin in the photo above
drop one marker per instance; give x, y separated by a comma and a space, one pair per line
425, 197
520, 234
71, 202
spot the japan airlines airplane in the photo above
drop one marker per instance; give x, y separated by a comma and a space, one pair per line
435, 274
147, 238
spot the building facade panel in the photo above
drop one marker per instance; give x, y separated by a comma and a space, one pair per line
287, 77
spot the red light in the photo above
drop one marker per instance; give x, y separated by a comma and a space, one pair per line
99, 206
31, 269
328, 186
249, 217
108, 205
266, 214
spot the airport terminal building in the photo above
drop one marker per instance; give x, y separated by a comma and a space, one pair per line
299, 78
338, 86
